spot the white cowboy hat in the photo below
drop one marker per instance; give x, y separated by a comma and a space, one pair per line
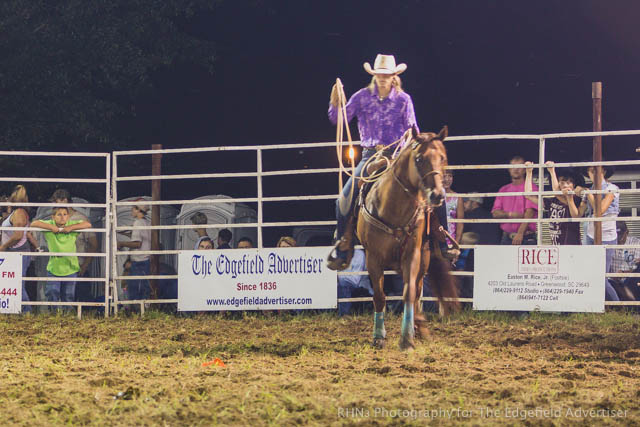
385, 64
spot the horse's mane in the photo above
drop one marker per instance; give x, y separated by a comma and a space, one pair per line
425, 137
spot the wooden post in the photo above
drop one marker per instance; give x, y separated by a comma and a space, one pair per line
596, 95
156, 187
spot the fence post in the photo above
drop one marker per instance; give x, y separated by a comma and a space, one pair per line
541, 160
259, 170
107, 237
596, 95
114, 237
156, 190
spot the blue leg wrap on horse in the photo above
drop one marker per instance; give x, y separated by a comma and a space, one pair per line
407, 321
378, 325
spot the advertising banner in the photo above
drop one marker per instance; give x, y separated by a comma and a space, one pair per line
10, 283
544, 278
256, 279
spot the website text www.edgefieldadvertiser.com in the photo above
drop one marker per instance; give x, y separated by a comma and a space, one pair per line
261, 301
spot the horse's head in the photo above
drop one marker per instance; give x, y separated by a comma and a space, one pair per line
425, 164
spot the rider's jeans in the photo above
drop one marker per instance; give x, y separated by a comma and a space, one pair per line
342, 219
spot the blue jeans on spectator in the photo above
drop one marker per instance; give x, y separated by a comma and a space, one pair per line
138, 289
350, 285
610, 293
56, 291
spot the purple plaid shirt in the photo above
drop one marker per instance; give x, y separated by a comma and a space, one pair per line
379, 122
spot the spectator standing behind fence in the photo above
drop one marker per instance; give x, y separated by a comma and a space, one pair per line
245, 243
511, 207
61, 236
138, 289
18, 241
565, 206
475, 233
199, 218
205, 243
286, 242
609, 208
626, 261
85, 242
455, 208
224, 238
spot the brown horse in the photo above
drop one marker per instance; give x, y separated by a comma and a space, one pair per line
399, 231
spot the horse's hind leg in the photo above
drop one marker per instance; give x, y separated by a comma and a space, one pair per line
376, 275
420, 321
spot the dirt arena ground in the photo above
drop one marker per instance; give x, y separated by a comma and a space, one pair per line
318, 369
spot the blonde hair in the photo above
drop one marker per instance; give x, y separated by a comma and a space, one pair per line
395, 82
19, 195
288, 240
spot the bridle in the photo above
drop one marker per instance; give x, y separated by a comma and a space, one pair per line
418, 161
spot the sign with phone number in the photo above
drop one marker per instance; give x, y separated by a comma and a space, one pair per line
10, 283
545, 278
256, 279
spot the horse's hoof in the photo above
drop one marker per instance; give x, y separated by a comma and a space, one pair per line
407, 344
379, 343
422, 332
420, 328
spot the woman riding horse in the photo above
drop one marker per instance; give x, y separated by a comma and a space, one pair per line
385, 112
399, 230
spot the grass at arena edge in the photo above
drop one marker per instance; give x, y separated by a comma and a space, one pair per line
316, 368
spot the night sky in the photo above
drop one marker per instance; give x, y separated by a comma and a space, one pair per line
478, 66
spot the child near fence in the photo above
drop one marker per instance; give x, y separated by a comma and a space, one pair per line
61, 236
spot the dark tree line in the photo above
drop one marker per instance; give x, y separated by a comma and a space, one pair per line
73, 70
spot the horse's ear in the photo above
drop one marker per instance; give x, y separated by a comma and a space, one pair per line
414, 131
444, 133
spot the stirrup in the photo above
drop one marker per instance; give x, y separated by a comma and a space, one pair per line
337, 263
451, 254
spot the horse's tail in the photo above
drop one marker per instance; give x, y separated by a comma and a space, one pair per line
443, 284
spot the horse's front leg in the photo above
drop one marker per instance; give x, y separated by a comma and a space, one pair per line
420, 321
376, 274
410, 275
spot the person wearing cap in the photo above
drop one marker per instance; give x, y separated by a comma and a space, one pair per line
384, 112
626, 260
565, 206
86, 242
138, 289
61, 235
